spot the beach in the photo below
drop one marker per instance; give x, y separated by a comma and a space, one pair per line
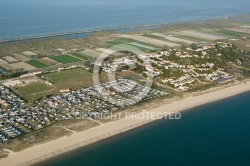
65, 144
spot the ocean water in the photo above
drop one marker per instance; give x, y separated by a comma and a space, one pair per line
213, 134
24, 18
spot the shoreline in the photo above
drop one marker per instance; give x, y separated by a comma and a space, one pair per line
130, 27
65, 144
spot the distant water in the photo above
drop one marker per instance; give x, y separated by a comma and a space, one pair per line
214, 134
23, 18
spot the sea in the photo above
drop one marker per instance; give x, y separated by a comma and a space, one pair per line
26, 18
215, 134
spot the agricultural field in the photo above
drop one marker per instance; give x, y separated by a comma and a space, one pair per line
65, 75
21, 57
108, 51
139, 44
2, 61
152, 41
231, 33
74, 79
202, 35
10, 59
131, 75
64, 59
120, 41
21, 65
173, 39
30, 54
33, 91
142, 46
91, 53
6, 66
128, 47
240, 29
36, 64
80, 56
47, 61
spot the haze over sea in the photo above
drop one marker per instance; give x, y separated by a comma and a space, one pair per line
23, 18
213, 134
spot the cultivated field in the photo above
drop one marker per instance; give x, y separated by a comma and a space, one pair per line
64, 59
10, 59
91, 53
240, 29
33, 91
174, 39
36, 64
129, 48
80, 55
21, 57
150, 40
22, 65
29, 53
48, 61
65, 75
106, 51
6, 66
142, 46
2, 61
202, 35
74, 78
131, 75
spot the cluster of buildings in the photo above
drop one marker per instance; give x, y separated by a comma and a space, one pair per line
10, 104
17, 117
158, 63
116, 64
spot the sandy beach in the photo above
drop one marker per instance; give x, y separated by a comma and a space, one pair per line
56, 147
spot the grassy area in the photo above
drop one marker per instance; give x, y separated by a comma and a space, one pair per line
66, 75
120, 41
36, 63
64, 59
34, 88
33, 91
37, 137
197, 39
74, 79
117, 41
80, 56
230, 33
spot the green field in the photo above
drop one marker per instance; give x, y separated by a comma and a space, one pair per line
66, 75
64, 59
32, 88
36, 64
74, 79
118, 41
33, 91
80, 56
231, 33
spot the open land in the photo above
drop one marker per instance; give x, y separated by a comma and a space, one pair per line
177, 71
36, 64
150, 40
74, 78
174, 39
21, 65
64, 59
95, 134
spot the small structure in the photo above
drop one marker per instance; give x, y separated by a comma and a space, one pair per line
64, 90
11, 83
